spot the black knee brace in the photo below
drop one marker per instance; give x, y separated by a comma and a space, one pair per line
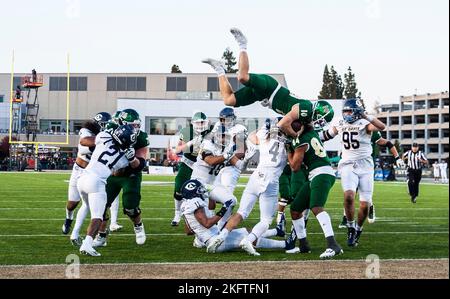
132, 213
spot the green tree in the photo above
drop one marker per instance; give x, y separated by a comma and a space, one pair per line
230, 61
175, 69
351, 91
325, 92
336, 87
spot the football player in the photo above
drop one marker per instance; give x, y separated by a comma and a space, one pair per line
214, 154
128, 179
191, 138
112, 151
261, 88
86, 143
263, 185
309, 150
229, 175
356, 166
194, 209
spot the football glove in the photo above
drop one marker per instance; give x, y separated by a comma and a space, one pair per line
399, 162
130, 153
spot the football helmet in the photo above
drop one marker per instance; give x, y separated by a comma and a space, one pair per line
323, 114
227, 117
352, 110
193, 189
200, 122
102, 119
274, 131
130, 117
116, 118
124, 136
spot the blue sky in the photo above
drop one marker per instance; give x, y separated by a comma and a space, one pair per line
395, 47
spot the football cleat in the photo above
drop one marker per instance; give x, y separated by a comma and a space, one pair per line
304, 246
247, 246
113, 227
215, 242
343, 223
357, 236
331, 252
239, 36
413, 199
66, 226
77, 242
88, 250
371, 217
351, 237
176, 219
290, 245
99, 242
197, 243
140, 234
217, 65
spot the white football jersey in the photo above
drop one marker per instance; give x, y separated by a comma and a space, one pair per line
106, 157
202, 171
272, 154
356, 142
84, 153
188, 208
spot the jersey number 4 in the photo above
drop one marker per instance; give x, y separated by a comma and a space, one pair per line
110, 154
350, 140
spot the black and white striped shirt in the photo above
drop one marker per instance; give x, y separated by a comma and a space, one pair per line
414, 159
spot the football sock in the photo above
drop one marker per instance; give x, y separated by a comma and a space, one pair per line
269, 233
331, 242
299, 227
88, 241
139, 224
325, 223
224, 233
279, 215
268, 243
306, 214
259, 229
114, 209
351, 223
177, 207
81, 215
358, 228
251, 237
69, 214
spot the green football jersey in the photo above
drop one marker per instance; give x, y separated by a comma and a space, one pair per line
315, 155
376, 135
284, 101
186, 135
142, 138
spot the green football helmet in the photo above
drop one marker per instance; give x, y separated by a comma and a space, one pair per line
323, 114
116, 117
200, 122
130, 117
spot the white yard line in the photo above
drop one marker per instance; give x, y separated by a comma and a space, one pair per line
234, 262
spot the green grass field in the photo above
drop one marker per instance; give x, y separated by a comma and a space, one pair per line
32, 212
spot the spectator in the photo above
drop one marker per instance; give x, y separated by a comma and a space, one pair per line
34, 76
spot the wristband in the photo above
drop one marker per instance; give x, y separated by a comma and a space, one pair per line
370, 118
222, 212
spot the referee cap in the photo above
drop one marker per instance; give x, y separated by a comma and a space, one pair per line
415, 144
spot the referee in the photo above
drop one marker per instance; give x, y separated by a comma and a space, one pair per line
415, 160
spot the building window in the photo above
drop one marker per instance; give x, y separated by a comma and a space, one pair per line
394, 135
17, 81
445, 103
383, 134
251, 124
420, 133
407, 120
235, 84
433, 133
163, 126
432, 104
419, 119
406, 106
419, 105
60, 83
213, 84
444, 148
394, 121
126, 83
433, 119
406, 135
445, 118
1, 98
445, 133
433, 148
176, 84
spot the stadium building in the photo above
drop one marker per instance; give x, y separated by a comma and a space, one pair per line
165, 103
419, 118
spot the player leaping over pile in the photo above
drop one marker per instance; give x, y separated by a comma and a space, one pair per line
265, 89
